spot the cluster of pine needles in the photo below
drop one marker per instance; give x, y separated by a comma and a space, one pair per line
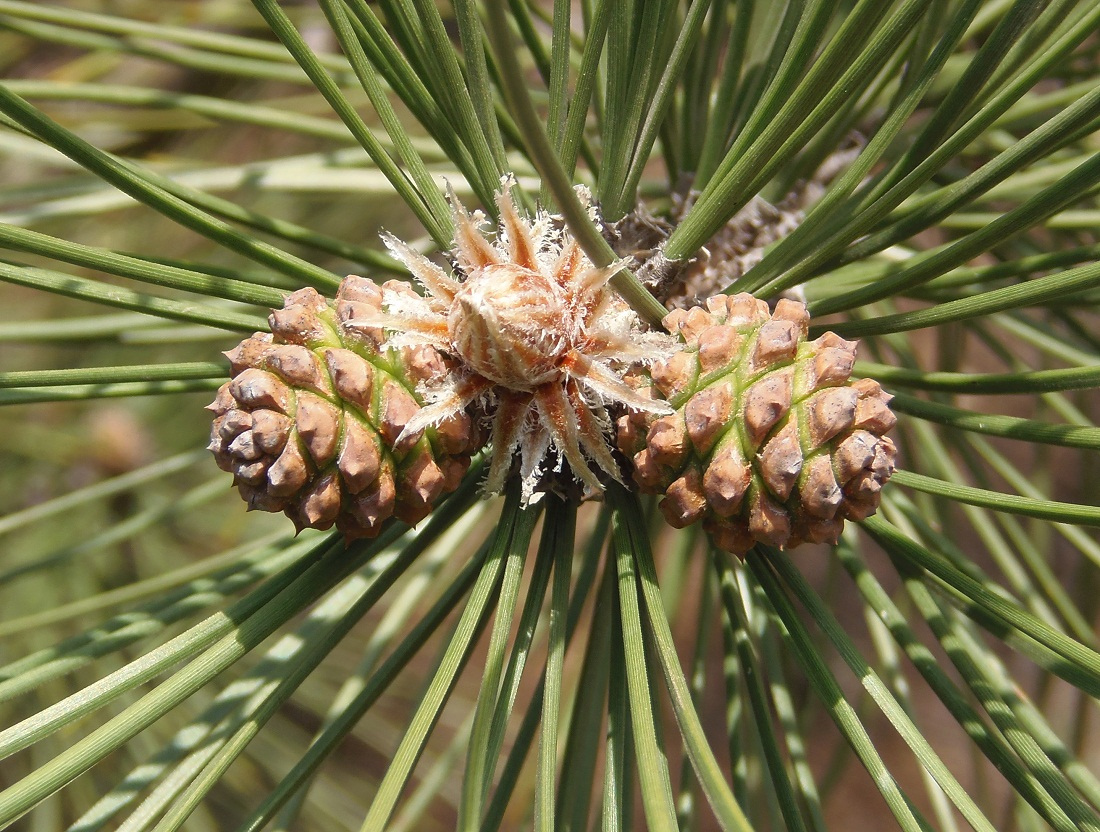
924, 173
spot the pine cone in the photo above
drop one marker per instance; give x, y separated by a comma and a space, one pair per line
770, 442
311, 421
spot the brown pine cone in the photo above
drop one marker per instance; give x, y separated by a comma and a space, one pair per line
311, 421
770, 441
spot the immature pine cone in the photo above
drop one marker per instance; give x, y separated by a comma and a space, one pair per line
539, 342
309, 423
770, 442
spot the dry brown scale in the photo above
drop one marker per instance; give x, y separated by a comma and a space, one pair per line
770, 441
309, 423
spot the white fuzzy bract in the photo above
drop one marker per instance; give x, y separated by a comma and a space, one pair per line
543, 343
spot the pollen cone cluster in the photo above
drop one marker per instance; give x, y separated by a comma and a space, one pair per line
770, 441
311, 421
